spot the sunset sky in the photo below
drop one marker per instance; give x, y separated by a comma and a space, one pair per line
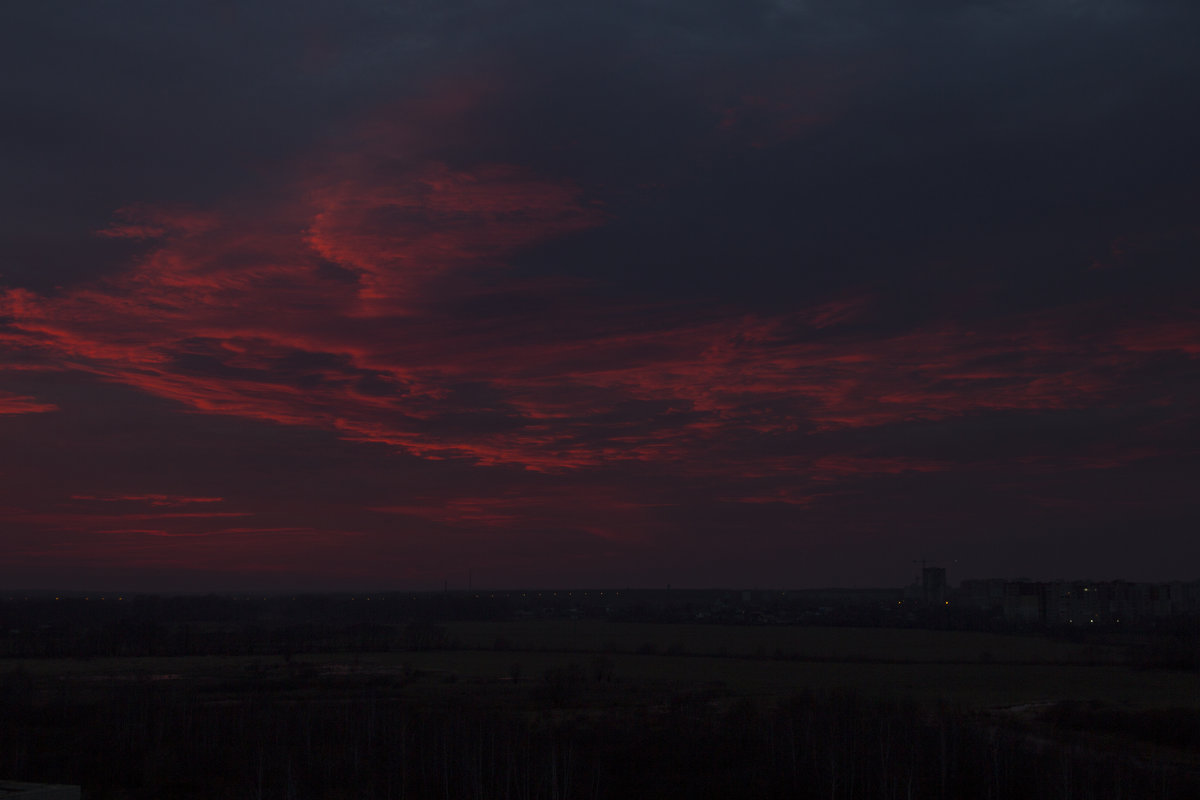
316, 295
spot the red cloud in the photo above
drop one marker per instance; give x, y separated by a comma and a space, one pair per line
151, 499
434, 219
1178, 335
18, 404
336, 305
86, 521
148, 222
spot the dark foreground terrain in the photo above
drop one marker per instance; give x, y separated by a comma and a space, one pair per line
587, 708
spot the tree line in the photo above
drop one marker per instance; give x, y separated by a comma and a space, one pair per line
127, 740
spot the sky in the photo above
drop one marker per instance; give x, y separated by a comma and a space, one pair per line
781, 294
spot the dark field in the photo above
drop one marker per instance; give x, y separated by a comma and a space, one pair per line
560, 708
967, 669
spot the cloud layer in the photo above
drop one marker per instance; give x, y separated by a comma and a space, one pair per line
608, 313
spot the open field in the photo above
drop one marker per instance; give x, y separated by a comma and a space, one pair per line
974, 686
809, 643
966, 669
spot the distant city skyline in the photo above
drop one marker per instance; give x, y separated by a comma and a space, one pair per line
354, 295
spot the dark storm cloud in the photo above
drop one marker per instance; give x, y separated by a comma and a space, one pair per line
905, 138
